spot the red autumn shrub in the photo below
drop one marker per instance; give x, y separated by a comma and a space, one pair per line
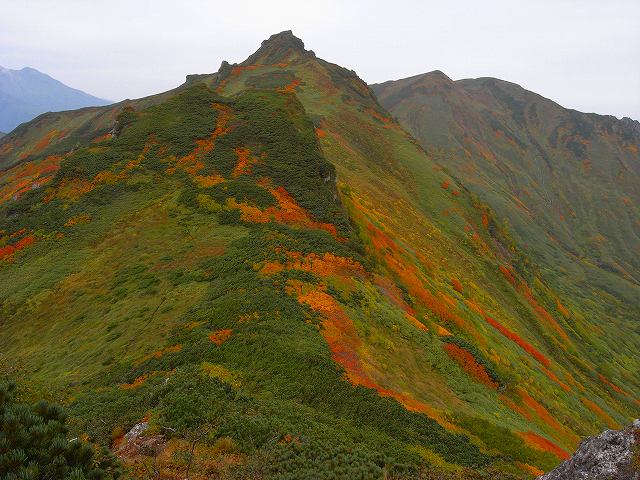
9, 250
457, 286
220, 336
470, 365
600, 413
540, 443
516, 338
485, 221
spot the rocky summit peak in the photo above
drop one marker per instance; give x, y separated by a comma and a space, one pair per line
284, 38
279, 47
435, 80
438, 74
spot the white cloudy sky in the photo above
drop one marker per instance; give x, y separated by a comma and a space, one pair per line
584, 54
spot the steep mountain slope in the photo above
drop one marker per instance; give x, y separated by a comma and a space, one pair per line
263, 260
26, 93
567, 181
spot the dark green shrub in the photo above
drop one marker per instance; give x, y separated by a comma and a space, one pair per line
34, 444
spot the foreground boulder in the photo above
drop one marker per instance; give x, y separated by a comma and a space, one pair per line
613, 455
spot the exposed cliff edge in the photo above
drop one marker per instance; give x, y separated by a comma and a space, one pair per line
613, 455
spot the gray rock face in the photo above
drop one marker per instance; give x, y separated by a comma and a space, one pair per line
136, 431
613, 455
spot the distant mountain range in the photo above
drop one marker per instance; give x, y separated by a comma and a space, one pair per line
26, 93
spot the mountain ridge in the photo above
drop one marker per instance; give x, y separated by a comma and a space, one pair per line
443, 75
507, 103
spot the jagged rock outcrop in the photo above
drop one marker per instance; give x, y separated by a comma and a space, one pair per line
613, 455
279, 47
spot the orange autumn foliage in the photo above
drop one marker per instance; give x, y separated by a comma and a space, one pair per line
540, 443
340, 334
541, 312
291, 88
393, 293
538, 309
325, 265
74, 188
205, 181
387, 121
338, 331
238, 69
530, 469
136, 383
562, 309
235, 71
527, 347
320, 133
445, 184
288, 212
457, 286
485, 221
8, 250
449, 300
474, 306
612, 385
28, 176
570, 378
220, 336
160, 353
604, 416
102, 138
515, 407
192, 163
44, 141
508, 274
555, 378
470, 365
411, 278
78, 220
6, 148
521, 342
245, 162
541, 412
516, 338
416, 323
442, 332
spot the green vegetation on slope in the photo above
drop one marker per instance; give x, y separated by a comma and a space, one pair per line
269, 271
566, 185
34, 444
289, 385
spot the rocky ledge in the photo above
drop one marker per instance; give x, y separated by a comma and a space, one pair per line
613, 455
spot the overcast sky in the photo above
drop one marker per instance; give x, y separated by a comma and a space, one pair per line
584, 54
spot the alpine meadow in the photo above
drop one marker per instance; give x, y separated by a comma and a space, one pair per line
277, 271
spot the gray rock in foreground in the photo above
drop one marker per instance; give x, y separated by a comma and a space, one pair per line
613, 455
